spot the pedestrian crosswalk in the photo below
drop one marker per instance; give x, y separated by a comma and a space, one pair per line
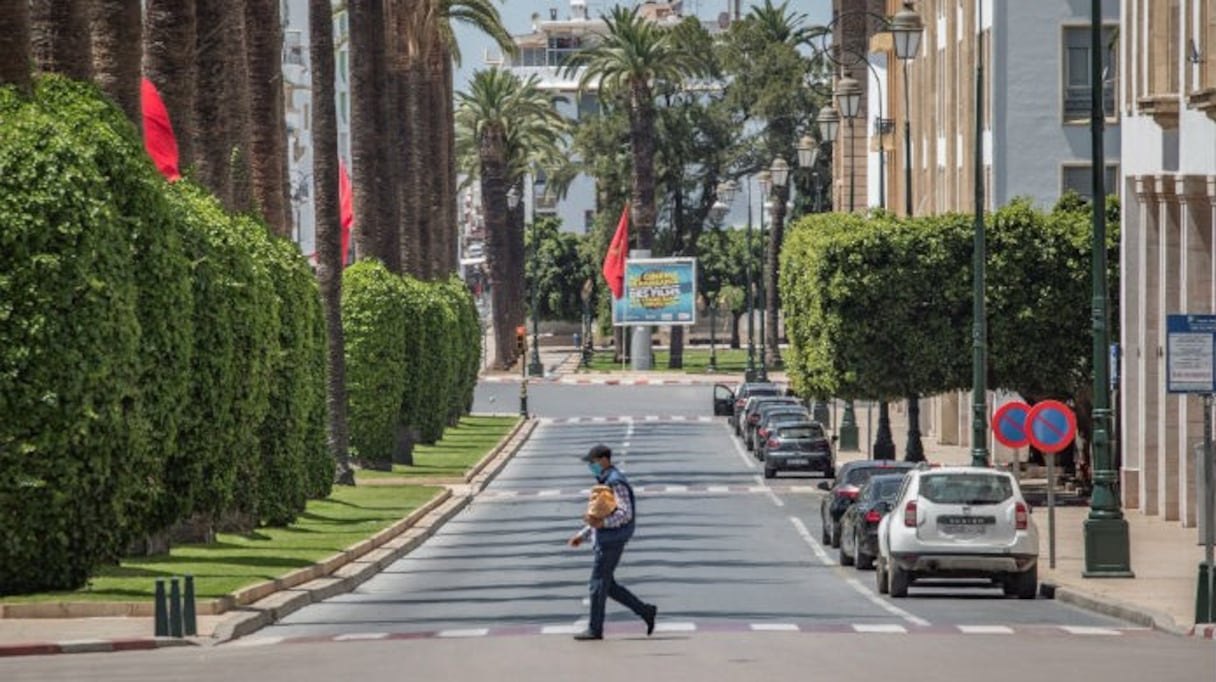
506, 494
692, 628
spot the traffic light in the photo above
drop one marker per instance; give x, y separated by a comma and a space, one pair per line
521, 336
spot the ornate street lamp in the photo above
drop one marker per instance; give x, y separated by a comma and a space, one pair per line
513, 203
807, 151
907, 29
764, 179
780, 171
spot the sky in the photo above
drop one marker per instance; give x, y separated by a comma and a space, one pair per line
517, 16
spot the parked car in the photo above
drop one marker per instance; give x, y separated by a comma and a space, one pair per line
859, 525
843, 491
740, 396
764, 412
771, 417
798, 446
751, 413
959, 522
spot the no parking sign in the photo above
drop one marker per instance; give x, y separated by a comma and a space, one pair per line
1051, 426
1009, 424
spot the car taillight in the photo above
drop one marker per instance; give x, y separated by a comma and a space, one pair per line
763, 432
849, 492
772, 444
1021, 516
873, 516
739, 403
910, 514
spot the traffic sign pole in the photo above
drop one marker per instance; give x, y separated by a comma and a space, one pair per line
1051, 509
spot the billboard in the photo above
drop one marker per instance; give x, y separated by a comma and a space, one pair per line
659, 291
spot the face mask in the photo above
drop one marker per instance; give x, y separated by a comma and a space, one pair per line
595, 469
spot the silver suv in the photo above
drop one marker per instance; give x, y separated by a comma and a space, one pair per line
958, 522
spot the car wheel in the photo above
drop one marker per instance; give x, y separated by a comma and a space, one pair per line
880, 575
835, 536
770, 473
825, 535
898, 582
845, 559
1026, 583
862, 559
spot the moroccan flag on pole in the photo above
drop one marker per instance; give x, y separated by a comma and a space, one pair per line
345, 208
614, 261
158, 132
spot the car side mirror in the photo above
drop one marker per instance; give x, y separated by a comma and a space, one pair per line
823, 485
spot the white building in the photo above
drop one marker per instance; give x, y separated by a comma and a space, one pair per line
1167, 101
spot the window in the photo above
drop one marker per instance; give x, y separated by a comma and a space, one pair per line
293, 48
1077, 67
1078, 177
971, 489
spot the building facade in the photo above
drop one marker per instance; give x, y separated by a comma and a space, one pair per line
1167, 101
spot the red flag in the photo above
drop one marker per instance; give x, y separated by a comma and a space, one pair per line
158, 132
614, 260
345, 201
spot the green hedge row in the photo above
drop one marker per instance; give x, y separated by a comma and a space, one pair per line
880, 307
412, 354
160, 360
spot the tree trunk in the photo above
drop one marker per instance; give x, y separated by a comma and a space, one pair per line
448, 220
15, 44
116, 34
675, 357
412, 161
494, 207
734, 329
641, 138
59, 37
169, 44
237, 67
214, 114
776, 234
368, 144
329, 231
268, 129
434, 223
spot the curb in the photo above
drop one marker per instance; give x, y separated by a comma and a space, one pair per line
414, 530
1132, 613
1204, 631
83, 646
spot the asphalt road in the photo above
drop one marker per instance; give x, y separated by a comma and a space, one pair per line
743, 586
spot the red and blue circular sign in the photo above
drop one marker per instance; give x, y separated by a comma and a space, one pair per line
1009, 424
1051, 426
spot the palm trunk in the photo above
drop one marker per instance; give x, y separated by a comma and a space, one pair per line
268, 129
367, 174
237, 67
641, 137
214, 115
772, 357
59, 37
494, 208
169, 43
329, 233
434, 224
15, 44
447, 166
116, 32
414, 192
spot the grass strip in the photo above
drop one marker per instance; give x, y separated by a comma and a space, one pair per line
696, 361
460, 449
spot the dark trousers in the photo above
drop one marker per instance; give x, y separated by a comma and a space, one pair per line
603, 585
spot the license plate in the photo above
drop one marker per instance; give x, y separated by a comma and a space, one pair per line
797, 462
951, 529
966, 520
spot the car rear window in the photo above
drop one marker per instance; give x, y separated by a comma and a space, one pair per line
805, 431
762, 391
860, 475
887, 489
966, 488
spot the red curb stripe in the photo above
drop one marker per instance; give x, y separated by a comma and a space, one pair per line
31, 649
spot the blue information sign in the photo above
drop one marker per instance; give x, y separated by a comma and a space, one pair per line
1190, 349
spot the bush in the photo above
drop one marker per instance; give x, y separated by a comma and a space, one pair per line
374, 323
72, 436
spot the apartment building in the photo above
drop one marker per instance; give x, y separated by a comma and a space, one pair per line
1167, 102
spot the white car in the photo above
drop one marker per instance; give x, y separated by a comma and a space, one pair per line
958, 522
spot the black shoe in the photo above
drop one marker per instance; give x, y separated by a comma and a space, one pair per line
587, 635
651, 612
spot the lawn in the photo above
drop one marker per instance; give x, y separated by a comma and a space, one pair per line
326, 527
696, 361
460, 449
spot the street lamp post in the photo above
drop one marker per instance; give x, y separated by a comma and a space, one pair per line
750, 374
780, 173
535, 367
1107, 546
725, 193
907, 29
765, 180
979, 328
513, 203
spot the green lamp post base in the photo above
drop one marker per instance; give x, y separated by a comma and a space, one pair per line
1107, 549
848, 429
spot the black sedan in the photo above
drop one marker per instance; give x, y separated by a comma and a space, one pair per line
843, 492
798, 446
859, 525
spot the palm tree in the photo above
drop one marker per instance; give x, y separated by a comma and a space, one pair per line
632, 57
268, 129
372, 137
116, 29
215, 117
169, 41
504, 127
329, 232
15, 44
59, 37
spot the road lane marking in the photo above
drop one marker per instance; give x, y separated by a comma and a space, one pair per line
676, 489
810, 540
768, 491
985, 630
259, 641
774, 627
884, 604
718, 489
675, 627
359, 636
747, 460
467, 632
881, 628
561, 629
1088, 630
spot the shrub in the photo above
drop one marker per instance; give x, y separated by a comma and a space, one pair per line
374, 323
